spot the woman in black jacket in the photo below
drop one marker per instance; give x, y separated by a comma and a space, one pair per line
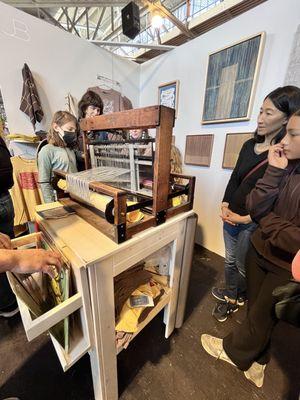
8, 304
276, 109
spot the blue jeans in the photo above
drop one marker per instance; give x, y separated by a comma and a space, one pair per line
7, 297
236, 248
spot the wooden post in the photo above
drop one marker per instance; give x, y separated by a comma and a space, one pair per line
162, 163
87, 160
120, 216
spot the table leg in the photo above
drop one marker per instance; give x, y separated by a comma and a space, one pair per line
103, 353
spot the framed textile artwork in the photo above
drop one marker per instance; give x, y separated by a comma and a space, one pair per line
231, 81
3, 119
168, 95
293, 72
233, 145
198, 149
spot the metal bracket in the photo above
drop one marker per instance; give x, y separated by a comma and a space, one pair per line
161, 217
121, 233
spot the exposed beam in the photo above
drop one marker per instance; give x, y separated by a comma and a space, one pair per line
149, 32
112, 18
61, 15
69, 22
87, 26
74, 15
57, 3
158, 36
188, 9
157, 6
99, 22
53, 20
80, 16
137, 45
113, 34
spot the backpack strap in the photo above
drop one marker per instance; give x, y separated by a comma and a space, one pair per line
257, 166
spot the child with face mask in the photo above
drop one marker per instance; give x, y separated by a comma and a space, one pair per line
58, 153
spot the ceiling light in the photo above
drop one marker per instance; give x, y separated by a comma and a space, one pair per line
156, 21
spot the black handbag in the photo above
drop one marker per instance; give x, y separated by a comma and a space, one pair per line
287, 306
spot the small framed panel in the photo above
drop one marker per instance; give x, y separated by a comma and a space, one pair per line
3, 119
233, 144
168, 95
231, 81
198, 150
293, 71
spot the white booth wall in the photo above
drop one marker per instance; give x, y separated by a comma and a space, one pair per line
60, 63
188, 64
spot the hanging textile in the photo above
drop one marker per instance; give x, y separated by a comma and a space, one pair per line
30, 101
25, 193
125, 104
71, 105
111, 99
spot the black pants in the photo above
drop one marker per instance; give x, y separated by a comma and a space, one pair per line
7, 298
251, 340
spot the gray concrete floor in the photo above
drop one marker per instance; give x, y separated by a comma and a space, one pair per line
153, 367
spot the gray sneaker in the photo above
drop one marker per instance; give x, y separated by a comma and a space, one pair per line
219, 294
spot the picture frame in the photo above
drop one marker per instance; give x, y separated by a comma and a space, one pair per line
233, 144
198, 149
168, 94
292, 76
231, 80
3, 118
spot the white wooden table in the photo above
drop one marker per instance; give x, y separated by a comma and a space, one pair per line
95, 261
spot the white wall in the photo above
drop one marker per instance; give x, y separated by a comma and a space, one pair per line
188, 63
59, 62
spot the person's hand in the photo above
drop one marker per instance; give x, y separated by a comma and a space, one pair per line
5, 242
234, 218
277, 157
225, 213
296, 267
36, 260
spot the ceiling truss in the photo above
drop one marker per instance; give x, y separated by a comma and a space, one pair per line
99, 22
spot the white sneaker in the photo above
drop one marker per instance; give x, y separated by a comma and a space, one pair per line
256, 374
214, 347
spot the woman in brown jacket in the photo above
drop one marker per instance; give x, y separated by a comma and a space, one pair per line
275, 205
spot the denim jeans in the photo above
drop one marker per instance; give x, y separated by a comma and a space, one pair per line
236, 248
7, 297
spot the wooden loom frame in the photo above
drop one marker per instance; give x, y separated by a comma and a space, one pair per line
161, 118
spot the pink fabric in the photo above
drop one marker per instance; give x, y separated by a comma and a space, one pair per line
296, 267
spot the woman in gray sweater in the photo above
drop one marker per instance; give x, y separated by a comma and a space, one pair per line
58, 153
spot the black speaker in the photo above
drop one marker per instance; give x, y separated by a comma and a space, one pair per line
131, 20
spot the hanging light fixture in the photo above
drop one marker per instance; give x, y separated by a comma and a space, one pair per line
156, 20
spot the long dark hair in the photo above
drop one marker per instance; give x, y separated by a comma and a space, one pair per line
90, 98
287, 100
